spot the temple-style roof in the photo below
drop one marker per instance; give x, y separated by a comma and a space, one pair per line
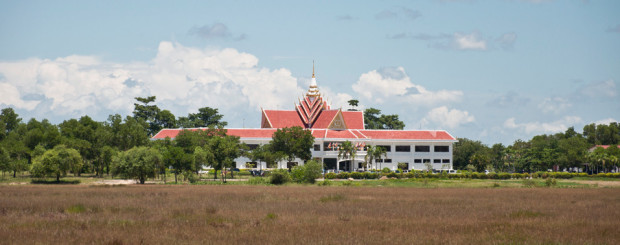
313, 111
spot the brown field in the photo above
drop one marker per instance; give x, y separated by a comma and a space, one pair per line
156, 214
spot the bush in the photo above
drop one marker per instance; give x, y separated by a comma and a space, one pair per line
393, 175
325, 182
342, 175
516, 176
529, 183
330, 176
307, 173
492, 175
279, 177
386, 170
191, 177
550, 182
356, 175
503, 176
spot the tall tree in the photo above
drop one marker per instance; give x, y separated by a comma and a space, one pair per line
9, 119
464, 149
294, 142
224, 149
147, 114
206, 117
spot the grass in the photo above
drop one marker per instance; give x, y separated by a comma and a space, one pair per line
307, 214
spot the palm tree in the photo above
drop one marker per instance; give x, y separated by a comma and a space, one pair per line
347, 151
369, 155
379, 153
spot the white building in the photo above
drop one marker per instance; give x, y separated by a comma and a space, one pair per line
419, 149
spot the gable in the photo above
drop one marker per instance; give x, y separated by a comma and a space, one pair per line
338, 122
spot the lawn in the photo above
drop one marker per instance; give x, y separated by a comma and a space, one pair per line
296, 214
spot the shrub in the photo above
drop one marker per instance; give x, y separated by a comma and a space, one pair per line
330, 176
393, 175
386, 170
342, 175
279, 176
503, 176
191, 177
356, 175
516, 176
529, 183
492, 175
550, 182
325, 183
307, 173
297, 174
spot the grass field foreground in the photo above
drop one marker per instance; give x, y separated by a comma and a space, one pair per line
159, 214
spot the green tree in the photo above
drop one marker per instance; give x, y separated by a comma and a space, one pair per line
57, 162
5, 159
306, 173
373, 119
206, 117
464, 149
479, 161
294, 142
353, 103
137, 163
224, 149
178, 160
379, 153
9, 120
147, 113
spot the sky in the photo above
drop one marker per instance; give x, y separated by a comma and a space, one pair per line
495, 71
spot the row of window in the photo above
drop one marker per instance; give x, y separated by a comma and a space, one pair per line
333, 146
429, 160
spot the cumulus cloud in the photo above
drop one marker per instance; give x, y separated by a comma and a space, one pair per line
606, 121
182, 77
543, 128
217, 30
394, 85
471, 41
448, 118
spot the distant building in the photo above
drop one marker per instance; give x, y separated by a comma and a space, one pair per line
418, 149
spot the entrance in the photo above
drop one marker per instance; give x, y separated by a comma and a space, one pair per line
330, 163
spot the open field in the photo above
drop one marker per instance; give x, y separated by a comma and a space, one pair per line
238, 214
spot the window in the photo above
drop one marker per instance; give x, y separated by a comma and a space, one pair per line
387, 160
436, 160
422, 148
442, 148
426, 160
252, 146
317, 147
386, 147
403, 148
445, 161
330, 146
417, 160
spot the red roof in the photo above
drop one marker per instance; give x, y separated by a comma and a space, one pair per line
352, 134
283, 119
354, 119
325, 118
602, 146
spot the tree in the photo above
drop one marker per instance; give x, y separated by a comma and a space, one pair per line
57, 162
347, 151
373, 119
264, 153
479, 161
137, 163
306, 173
9, 120
206, 117
353, 103
294, 142
147, 114
464, 149
176, 158
224, 149
4, 160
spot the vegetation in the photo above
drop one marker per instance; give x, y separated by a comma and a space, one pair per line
231, 214
373, 119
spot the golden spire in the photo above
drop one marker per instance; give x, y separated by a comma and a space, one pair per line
313, 69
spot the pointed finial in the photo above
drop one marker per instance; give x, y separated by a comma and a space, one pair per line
312, 68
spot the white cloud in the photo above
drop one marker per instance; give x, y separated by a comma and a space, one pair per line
394, 85
471, 41
182, 77
603, 89
606, 121
448, 118
546, 128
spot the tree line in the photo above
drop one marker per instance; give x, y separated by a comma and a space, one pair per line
122, 146
568, 150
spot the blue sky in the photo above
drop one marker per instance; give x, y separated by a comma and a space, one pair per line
495, 71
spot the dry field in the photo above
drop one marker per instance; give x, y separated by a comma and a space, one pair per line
156, 214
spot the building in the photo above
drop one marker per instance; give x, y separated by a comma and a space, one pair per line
419, 149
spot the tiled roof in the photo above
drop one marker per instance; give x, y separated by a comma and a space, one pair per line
354, 119
283, 119
351, 134
325, 118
